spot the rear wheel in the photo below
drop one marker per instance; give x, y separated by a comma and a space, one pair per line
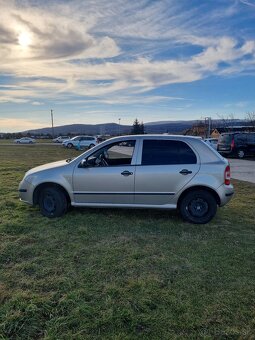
91, 146
52, 202
198, 207
240, 153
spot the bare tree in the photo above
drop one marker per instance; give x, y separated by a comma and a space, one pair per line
250, 117
226, 120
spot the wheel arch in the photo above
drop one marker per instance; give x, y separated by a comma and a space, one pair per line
41, 186
199, 187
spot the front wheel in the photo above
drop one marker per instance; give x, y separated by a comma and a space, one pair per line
69, 145
52, 202
198, 207
91, 146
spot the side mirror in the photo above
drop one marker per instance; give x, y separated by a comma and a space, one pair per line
84, 163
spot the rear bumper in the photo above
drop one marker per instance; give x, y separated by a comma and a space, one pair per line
225, 193
226, 152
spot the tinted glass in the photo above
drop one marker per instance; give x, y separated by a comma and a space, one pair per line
163, 152
251, 138
225, 139
87, 138
241, 138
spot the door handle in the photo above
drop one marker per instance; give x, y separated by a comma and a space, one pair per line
185, 172
126, 173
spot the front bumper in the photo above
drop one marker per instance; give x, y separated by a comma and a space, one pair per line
26, 191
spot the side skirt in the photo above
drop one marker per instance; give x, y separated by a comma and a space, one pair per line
136, 206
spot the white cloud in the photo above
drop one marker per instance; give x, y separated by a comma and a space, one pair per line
14, 124
37, 103
77, 49
250, 3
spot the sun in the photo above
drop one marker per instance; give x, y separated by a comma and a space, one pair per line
24, 39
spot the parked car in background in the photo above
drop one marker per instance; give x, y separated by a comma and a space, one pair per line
25, 140
60, 139
139, 171
237, 144
80, 142
212, 141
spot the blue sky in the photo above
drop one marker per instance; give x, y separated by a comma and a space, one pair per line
95, 61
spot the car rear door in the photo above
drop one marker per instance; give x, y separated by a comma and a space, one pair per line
251, 143
166, 166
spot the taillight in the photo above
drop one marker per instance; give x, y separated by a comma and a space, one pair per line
227, 175
232, 144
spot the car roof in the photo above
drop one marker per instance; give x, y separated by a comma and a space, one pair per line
237, 133
84, 136
158, 136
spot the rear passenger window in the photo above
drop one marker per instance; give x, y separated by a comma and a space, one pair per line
251, 138
241, 138
163, 152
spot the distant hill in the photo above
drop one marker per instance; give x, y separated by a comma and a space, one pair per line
112, 129
85, 129
169, 126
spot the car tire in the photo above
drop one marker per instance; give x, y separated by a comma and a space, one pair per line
91, 146
241, 153
69, 145
52, 202
198, 207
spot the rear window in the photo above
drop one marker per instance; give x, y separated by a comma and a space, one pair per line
225, 139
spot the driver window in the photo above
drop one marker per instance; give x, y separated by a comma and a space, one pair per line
115, 154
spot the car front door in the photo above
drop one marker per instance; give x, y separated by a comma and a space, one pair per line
166, 167
107, 176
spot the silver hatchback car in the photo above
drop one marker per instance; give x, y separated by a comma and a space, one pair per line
139, 171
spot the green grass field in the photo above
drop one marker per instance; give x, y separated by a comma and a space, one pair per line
122, 274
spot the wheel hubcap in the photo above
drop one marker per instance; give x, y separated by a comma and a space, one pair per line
198, 207
241, 154
49, 203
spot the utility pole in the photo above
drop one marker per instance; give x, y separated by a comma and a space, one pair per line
119, 126
208, 123
52, 124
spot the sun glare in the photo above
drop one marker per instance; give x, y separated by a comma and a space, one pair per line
24, 39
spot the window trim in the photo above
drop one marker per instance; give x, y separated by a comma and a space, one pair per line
166, 139
133, 159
